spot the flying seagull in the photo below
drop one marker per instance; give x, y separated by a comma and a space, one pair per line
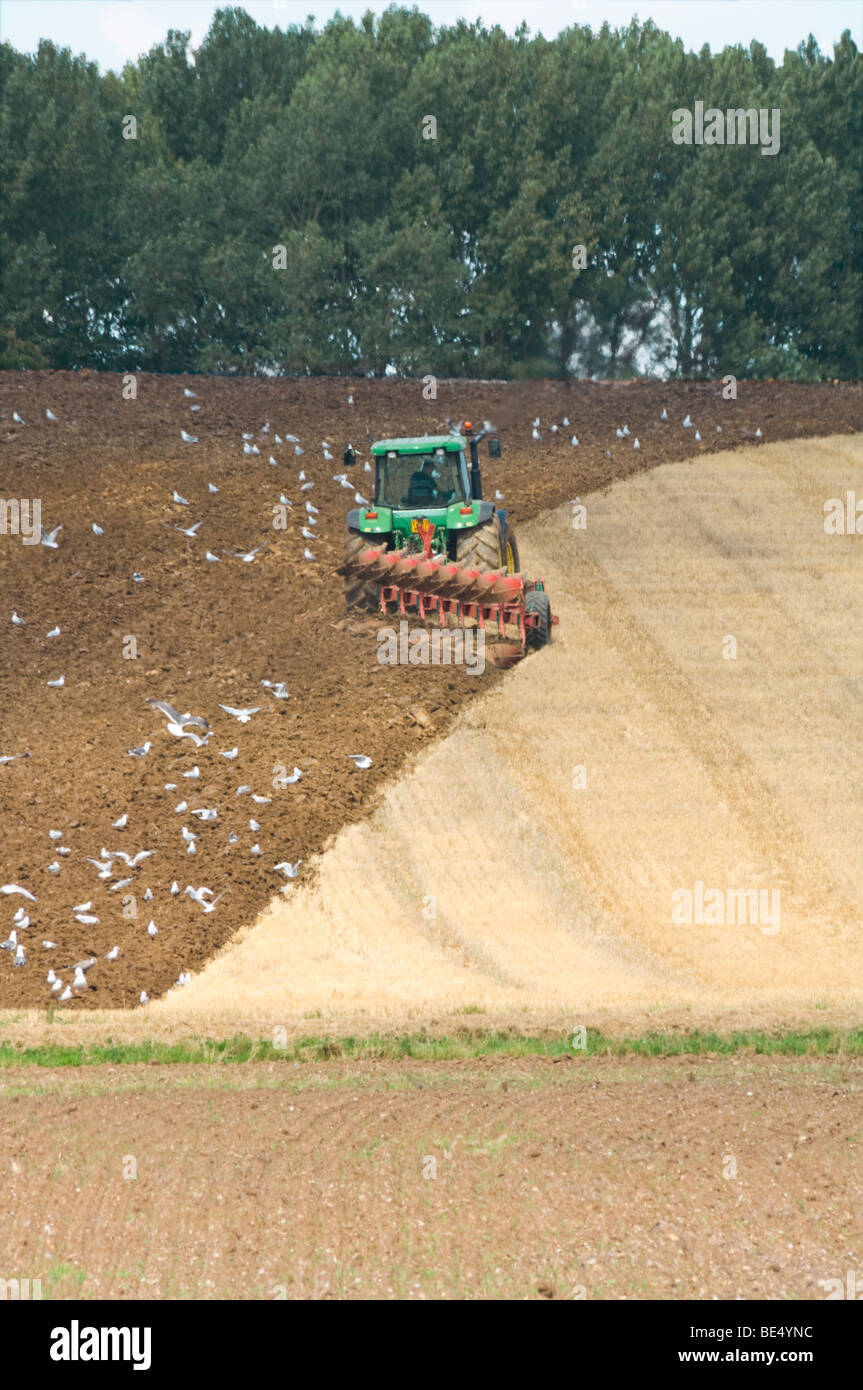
243, 715
362, 762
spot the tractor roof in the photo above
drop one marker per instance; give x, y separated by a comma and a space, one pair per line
418, 444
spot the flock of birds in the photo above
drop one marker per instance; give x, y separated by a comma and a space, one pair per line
116, 869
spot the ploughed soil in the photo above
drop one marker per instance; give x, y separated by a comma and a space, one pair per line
201, 634
580, 1178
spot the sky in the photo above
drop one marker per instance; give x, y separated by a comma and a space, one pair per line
113, 32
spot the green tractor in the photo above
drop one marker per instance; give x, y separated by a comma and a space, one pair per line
428, 497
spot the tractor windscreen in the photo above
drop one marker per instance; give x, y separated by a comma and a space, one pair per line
422, 480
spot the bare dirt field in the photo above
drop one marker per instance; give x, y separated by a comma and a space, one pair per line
741, 772
735, 1178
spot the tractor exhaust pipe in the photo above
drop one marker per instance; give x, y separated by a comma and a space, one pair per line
475, 474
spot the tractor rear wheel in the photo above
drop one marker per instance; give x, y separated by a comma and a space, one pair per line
358, 592
537, 601
479, 549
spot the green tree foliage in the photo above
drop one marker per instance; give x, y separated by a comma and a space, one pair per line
281, 207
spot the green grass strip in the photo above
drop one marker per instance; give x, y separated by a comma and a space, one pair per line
464, 1044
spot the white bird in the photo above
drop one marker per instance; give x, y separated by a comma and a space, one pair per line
194, 407
148, 896
20, 957
144, 997
190, 395
287, 868
307, 554
152, 929
132, 861
350, 400
687, 424
285, 501
499, 496
311, 509
565, 421
228, 752
57, 684
49, 538
278, 689
138, 578
189, 438
175, 717
635, 443
195, 772
211, 557
50, 978
82, 907
363, 501
190, 531
536, 434
212, 487
575, 441
698, 435
113, 953
181, 807
278, 439
362, 762
183, 978
254, 825
274, 462
97, 530
200, 895
261, 800
67, 994
251, 449
121, 883
289, 781
21, 918
54, 868
80, 980
188, 835
177, 498
139, 752
664, 415
718, 429
55, 632
247, 556
199, 740
49, 945
536, 423
758, 433
242, 791
18, 621
11, 941
170, 786
243, 715
298, 450
309, 535
206, 813
554, 429
256, 849
17, 418
301, 476
328, 456
175, 888
121, 823
291, 438
232, 838
248, 436
9, 888
619, 434
86, 919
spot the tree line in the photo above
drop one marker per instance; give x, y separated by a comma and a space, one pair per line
390, 196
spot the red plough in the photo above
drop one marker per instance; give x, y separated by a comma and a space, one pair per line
442, 591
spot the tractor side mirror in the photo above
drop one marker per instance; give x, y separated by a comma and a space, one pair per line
494, 448
350, 457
